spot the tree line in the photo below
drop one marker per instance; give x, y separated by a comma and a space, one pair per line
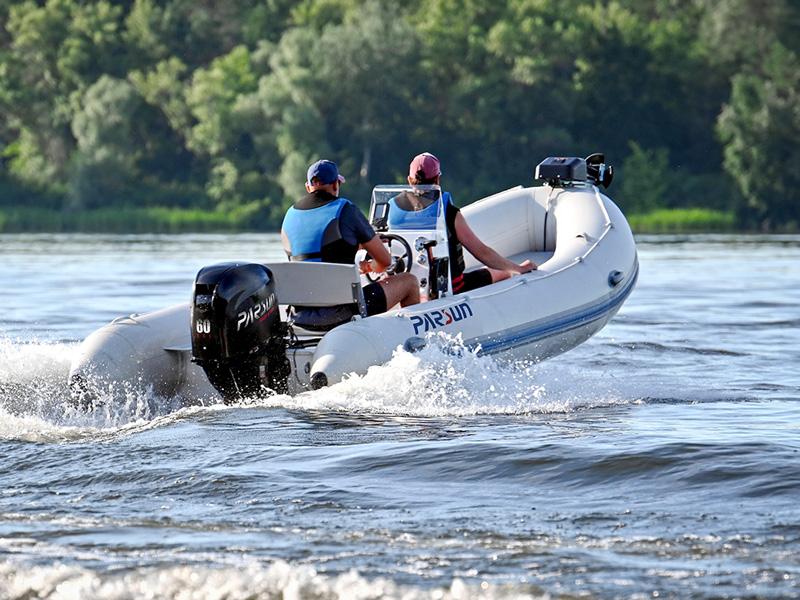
221, 106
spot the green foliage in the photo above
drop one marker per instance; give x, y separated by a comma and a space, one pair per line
13, 193
55, 52
341, 92
684, 220
103, 130
740, 32
495, 100
212, 100
144, 30
647, 180
163, 87
760, 128
154, 219
646, 81
197, 105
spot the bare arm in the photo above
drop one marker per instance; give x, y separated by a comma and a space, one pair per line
381, 258
488, 256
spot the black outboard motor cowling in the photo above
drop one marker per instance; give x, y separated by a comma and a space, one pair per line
237, 335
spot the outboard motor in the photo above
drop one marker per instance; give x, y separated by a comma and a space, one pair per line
237, 335
571, 170
597, 171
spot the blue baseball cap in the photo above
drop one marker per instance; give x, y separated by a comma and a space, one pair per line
324, 170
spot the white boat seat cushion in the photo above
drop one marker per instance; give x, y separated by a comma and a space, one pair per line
537, 258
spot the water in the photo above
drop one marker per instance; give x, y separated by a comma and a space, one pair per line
658, 460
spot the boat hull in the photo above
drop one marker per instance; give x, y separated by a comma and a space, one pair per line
588, 266
578, 288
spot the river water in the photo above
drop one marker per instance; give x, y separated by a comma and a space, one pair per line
660, 459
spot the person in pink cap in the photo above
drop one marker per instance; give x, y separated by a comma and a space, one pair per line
425, 169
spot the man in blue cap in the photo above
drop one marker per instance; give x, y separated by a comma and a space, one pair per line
321, 226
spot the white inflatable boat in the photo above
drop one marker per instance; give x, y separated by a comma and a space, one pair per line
237, 337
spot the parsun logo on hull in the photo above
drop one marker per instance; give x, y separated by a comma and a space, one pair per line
440, 318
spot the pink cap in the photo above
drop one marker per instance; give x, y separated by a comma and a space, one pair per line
427, 163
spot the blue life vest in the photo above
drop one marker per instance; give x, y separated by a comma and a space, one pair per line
309, 231
424, 219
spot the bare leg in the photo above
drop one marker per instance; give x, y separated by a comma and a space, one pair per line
402, 288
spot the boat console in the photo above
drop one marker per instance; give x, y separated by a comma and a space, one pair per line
411, 221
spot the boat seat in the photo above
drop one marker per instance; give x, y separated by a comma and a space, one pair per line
318, 285
537, 258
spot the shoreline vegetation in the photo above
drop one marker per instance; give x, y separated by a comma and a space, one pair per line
192, 115
179, 220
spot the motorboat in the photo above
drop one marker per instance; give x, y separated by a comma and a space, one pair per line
241, 335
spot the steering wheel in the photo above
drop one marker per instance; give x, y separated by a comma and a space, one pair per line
400, 252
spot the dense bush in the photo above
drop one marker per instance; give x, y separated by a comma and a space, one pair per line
214, 107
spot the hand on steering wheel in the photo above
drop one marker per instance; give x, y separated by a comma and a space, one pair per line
401, 255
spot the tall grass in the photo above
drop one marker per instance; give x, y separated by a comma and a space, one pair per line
119, 220
181, 220
684, 220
